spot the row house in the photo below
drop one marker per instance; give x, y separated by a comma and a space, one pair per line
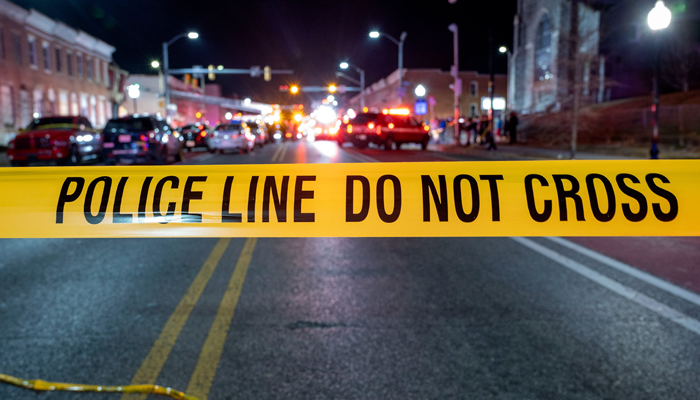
48, 68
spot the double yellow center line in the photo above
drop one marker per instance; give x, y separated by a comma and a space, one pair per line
280, 152
204, 372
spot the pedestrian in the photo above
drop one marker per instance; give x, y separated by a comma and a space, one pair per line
513, 128
442, 130
490, 138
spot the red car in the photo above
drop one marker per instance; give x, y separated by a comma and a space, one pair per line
391, 127
64, 140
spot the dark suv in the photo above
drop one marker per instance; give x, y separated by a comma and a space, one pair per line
146, 139
194, 136
383, 129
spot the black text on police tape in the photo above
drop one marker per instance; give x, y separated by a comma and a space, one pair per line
434, 195
72, 189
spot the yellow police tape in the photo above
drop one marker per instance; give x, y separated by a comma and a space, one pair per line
512, 198
39, 385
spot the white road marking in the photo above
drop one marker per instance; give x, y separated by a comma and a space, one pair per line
657, 307
359, 156
631, 271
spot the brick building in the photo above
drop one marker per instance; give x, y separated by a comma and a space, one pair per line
475, 87
48, 68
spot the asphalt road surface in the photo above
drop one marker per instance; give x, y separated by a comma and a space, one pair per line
350, 318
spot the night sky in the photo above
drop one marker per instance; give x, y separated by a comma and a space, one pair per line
309, 37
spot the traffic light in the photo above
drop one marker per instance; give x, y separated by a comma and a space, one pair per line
195, 83
332, 88
188, 79
294, 89
267, 73
211, 74
284, 88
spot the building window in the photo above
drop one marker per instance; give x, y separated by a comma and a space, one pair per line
79, 61
88, 61
7, 106
473, 110
63, 105
74, 106
473, 88
97, 70
17, 47
543, 50
105, 73
2, 43
69, 63
47, 56
32, 51
38, 109
57, 52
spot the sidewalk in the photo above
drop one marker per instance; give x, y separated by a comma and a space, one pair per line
521, 152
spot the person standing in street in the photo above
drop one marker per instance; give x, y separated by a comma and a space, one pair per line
513, 128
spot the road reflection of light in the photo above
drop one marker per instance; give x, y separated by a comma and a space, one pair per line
328, 149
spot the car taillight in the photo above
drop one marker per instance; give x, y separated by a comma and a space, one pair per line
349, 128
426, 128
391, 125
11, 145
370, 125
143, 138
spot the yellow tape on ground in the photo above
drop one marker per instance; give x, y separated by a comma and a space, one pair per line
39, 385
514, 198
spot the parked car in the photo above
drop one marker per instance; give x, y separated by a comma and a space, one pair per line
145, 139
259, 131
232, 136
63, 140
195, 136
391, 127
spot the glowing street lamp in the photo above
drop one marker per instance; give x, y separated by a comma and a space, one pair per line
346, 65
420, 91
155, 64
659, 18
376, 34
191, 35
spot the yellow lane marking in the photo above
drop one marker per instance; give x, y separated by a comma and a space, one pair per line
277, 152
152, 365
204, 372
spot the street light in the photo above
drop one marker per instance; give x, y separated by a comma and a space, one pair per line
659, 18
509, 94
155, 64
134, 92
346, 65
420, 91
376, 34
191, 35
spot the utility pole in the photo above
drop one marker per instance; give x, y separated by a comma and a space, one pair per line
573, 73
491, 75
457, 86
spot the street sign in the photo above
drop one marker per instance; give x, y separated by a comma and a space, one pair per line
421, 107
255, 71
401, 92
431, 100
